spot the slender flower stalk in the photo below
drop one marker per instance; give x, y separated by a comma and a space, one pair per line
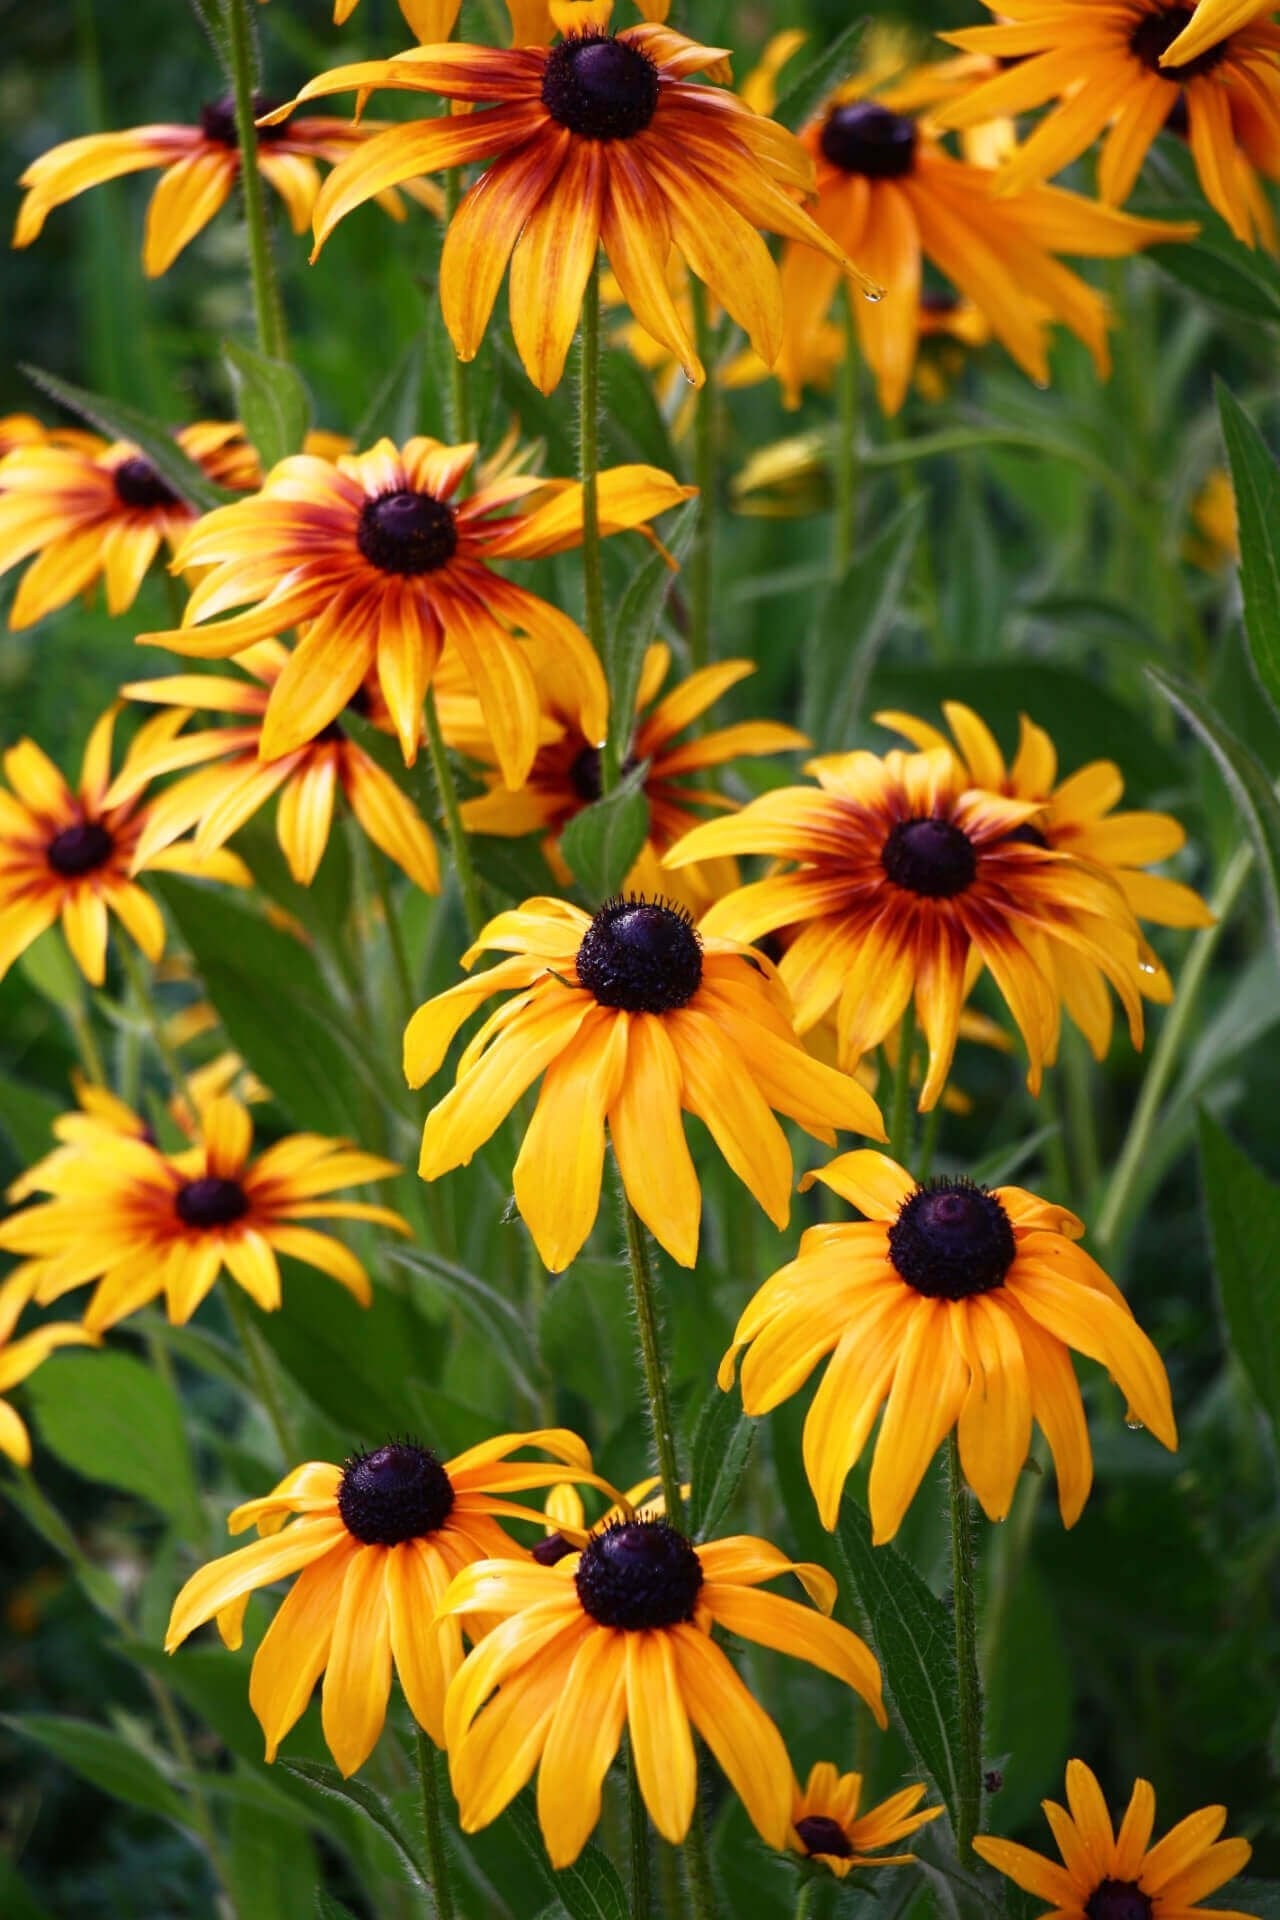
964, 1609
655, 1379
844, 536
267, 306
638, 1829
433, 1827
459, 845
900, 1106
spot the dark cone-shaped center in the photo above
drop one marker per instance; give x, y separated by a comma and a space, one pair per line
1118, 1900
599, 87
407, 532
211, 1202
139, 485
929, 856
585, 777
639, 1573
218, 120
642, 955
400, 1492
78, 850
1156, 32
864, 138
821, 1835
951, 1239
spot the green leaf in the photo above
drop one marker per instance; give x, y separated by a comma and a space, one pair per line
1244, 1229
912, 1633
1242, 281
22, 1492
853, 625
600, 845
489, 1315
634, 624
802, 100
395, 405
250, 971
271, 400
1256, 480
153, 440
721, 1448
329, 1784
27, 1115
588, 1890
113, 1420
16, 1900
1248, 781
327, 1908
48, 965
586, 1336
102, 1758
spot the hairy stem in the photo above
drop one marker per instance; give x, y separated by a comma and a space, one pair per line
655, 1378
846, 476
267, 307
638, 1825
433, 1827
968, 1683
459, 845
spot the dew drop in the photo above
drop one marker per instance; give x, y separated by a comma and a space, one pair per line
874, 294
1135, 1426
1145, 966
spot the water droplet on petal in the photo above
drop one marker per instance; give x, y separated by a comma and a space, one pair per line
1145, 966
873, 294
1135, 1426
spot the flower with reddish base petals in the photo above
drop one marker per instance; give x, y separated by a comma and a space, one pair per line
382, 564
1120, 1876
826, 1824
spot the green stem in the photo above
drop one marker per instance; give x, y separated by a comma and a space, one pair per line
697, 1866
1164, 1057
589, 475
804, 1897
459, 845
846, 476
655, 1378
395, 933
702, 558
968, 1684
81, 1024
144, 993
260, 1367
900, 1107
638, 1824
433, 1827
459, 370
267, 308
929, 1140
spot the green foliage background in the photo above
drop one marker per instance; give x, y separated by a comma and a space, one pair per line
1046, 573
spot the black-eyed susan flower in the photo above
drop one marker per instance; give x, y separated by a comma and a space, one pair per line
907, 882
567, 1528
233, 781
70, 857
18, 1360
827, 1826
619, 1637
1211, 21
375, 1543
603, 139
201, 166
1079, 818
24, 430
565, 775
953, 1306
382, 564
889, 192
142, 1223
1107, 1875
101, 515
631, 1018
1107, 71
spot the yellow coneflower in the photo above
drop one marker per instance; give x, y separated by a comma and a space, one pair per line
1211, 21
612, 140
70, 856
376, 1543
565, 775
219, 798
889, 192
201, 166
631, 1018
1120, 1876
619, 1637
18, 1360
954, 1306
826, 1824
908, 881
1111, 69
142, 1223
24, 430
101, 515
383, 565
1078, 819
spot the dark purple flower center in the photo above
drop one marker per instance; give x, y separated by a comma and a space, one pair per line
952, 1239
139, 485
218, 120
400, 1492
821, 1835
211, 1202
1118, 1900
1156, 32
78, 850
641, 955
599, 87
637, 1574
584, 774
864, 138
929, 856
407, 532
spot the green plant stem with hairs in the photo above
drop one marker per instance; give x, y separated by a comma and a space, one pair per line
968, 1682
459, 845
433, 1826
268, 308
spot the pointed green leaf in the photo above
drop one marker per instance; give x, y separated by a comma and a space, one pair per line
721, 1448
152, 439
853, 625
1244, 1227
601, 843
1255, 478
1243, 281
329, 1784
271, 401
104, 1759
588, 1890
802, 100
634, 624
112, 1419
